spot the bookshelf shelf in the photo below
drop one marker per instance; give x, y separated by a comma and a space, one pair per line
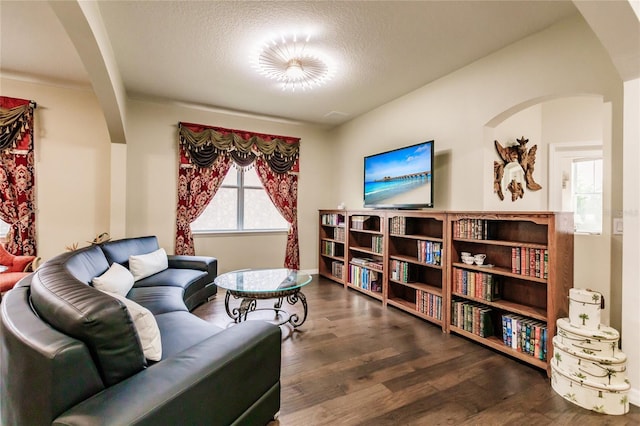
497, 344
411, 260
411, 308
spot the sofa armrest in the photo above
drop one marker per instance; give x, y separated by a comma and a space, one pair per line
200, 263
214, 382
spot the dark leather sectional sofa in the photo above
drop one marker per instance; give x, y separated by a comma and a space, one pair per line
71, 356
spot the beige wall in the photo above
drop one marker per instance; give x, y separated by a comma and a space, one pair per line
564, 60
72, 164
152, 161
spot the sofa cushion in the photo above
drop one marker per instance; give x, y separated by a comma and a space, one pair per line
158, 300
182, 278
117, 279
146, 326
181, 330
144, 265
119, 250
85, 264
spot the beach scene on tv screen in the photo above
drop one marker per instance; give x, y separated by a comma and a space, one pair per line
399, 177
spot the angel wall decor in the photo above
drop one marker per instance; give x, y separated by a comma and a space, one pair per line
515, 169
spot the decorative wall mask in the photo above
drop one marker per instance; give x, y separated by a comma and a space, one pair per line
515, 170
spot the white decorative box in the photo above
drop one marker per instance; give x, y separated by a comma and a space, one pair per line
602, 342
584, 308
592, 369
605, 399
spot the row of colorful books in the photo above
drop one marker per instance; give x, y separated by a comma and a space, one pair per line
359, 222
339, 234
474, 229
530, 262
399, 271
429, 304
333, 219
330, 248
365, 278
525, 335
376, 243
337, 269
430, 252
472, 317
476, 284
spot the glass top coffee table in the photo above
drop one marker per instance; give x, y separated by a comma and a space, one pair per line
252, 285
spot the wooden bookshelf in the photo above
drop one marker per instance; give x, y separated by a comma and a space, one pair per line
333, 237
392, 245
366, 253
416, 264
530, 257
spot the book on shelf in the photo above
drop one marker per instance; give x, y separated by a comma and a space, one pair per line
429, 304
399, 271
337, 269
367, 262
398, 225
376, 243
365, 278
359, 222
531, 262
339, 234
472, 317
473, 229
430, 252
525, 335
333, 219
476, 284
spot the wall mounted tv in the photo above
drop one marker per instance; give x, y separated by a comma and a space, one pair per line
401, 178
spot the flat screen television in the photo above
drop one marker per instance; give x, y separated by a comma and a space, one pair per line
401, 178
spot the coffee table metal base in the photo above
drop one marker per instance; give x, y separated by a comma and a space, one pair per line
249, 303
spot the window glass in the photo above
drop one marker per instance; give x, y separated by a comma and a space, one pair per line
241, 203
587, 195
4, 228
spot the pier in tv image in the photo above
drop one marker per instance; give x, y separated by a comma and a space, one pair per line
401, 178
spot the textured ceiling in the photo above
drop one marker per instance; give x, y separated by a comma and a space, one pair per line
198, 52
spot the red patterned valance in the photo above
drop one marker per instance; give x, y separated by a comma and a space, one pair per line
16, 116
202, 145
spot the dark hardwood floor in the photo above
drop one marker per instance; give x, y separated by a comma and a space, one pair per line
354, 362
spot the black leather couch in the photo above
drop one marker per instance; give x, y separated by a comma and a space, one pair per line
71, 356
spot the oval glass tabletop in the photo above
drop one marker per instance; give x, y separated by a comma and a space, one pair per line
262, 280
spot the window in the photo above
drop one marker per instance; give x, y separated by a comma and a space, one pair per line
241, 204
4, 228
586, 194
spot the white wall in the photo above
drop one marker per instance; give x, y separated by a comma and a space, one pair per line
152, 168
72, 150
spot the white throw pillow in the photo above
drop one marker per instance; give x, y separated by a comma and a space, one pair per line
116, 279
144, 265
146, 326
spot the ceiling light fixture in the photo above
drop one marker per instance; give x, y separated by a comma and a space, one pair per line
291, 62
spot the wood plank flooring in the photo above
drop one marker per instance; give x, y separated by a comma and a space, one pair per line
357, 363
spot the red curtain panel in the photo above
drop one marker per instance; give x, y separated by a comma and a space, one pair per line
17, 175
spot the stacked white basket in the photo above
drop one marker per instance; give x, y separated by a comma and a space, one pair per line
587, 367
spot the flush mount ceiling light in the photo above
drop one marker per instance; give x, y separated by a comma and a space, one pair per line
291, 62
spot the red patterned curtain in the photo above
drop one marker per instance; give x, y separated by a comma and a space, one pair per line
17, 177
208, 152
283, 192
